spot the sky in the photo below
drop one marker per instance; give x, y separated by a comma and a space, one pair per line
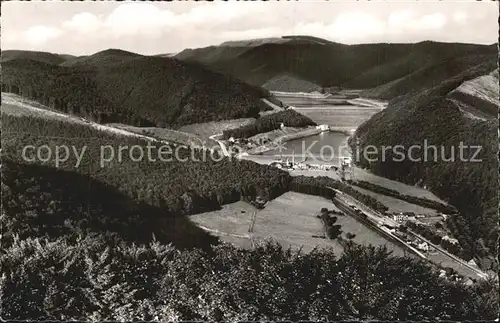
82, 28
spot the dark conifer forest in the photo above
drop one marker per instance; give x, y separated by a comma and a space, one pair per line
111, 239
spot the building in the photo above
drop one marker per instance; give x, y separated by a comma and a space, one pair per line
472, 263
451, 240
323, 127
401, 217
423, 246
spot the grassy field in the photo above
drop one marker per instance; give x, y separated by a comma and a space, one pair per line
11, 102
365, 175
180, 137
207, 129
289, 219
232, 219
397, 205
362, 174
275, 134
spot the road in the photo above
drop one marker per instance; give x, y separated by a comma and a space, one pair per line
312, 95
377, 218
371, 224
463, 263
275, 107
223, 147
345, 130
368, 103
16, 105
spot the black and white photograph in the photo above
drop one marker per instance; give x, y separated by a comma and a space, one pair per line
253, 161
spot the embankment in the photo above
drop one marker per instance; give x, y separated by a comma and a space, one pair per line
274, 144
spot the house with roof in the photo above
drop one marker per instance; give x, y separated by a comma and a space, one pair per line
451, 240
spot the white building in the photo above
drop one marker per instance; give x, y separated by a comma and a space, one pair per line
400, 217
423, 246
452, 240
323, 127
472, 263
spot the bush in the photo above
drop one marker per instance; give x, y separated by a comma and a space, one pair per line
97, 278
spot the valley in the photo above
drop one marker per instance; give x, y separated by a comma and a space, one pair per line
193, 162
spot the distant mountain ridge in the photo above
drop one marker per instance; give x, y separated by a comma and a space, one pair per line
120, 86
43, 57
328, 64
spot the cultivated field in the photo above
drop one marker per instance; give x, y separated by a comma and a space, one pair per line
289, 219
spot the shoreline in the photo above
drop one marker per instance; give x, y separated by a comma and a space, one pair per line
276, 142
339, 100
298, 135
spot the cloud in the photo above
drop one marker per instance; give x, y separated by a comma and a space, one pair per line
406, 21
460, 17
138, 18
217, 13
163, 27
432, 21
399, 18
267, 32
38, 35
148, 20
347, 27
354, 25
84, 22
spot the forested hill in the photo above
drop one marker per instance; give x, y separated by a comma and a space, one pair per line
438, 115
118, 86
329, 64
101, 59
43, 57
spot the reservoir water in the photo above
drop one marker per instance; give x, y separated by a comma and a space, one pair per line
326, 146
339, 115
